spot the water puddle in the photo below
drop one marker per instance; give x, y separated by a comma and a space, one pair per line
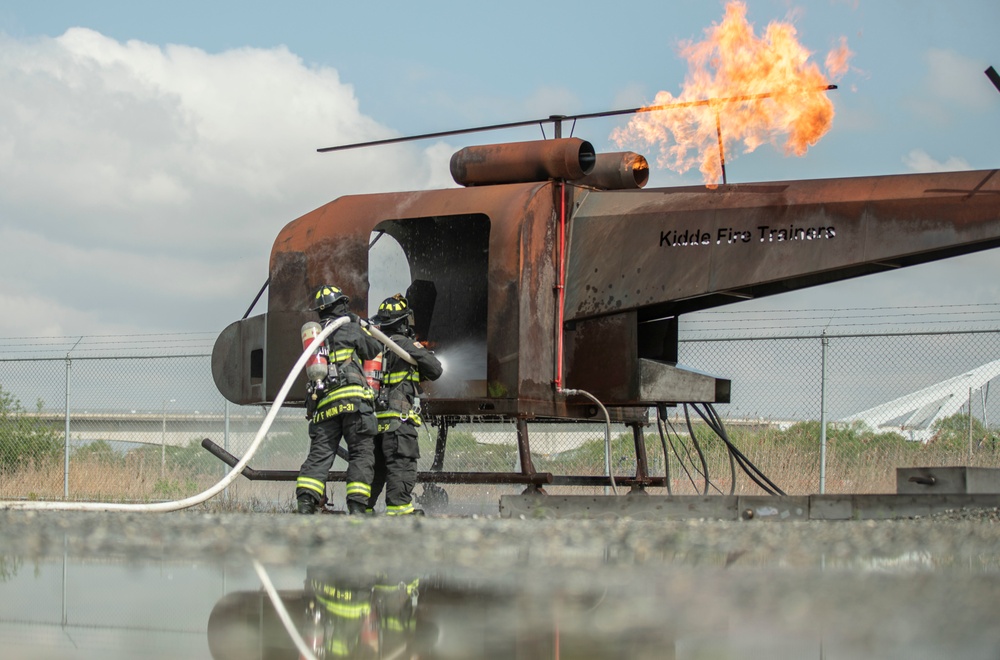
692, 607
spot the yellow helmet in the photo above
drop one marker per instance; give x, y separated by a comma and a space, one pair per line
327, 296
393, 310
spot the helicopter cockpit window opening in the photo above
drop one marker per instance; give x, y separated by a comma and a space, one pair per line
441, 265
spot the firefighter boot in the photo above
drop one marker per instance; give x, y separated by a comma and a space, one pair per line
306, 504
355, 508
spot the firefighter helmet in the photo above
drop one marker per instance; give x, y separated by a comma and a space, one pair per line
392, 311
328, 296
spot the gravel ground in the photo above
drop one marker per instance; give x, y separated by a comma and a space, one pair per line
471, 541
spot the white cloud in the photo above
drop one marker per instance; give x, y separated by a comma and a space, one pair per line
953, 88
957, 79
144, 178
919, 160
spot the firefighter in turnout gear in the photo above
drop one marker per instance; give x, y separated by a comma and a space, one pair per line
341, 406
356, 616
398, 408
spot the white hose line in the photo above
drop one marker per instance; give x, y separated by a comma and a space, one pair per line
393, 346
607, 433
217, 488
281, 610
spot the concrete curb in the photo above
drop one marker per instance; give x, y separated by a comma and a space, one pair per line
750, 508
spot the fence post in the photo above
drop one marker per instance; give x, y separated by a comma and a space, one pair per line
225, 445
66, 437
822, 414
66, 440
970, 424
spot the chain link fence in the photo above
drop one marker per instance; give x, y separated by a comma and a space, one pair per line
135, 424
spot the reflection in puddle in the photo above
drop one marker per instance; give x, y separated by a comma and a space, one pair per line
915, 606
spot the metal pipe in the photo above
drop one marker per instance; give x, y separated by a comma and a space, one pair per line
163, 438
970, 423
524, 447
433, 476
722, 154
257, 297
561, 285
624, 170
822, 416
66, 436
984, 393
521, 162
225, 442
621, 480
558, 119
69, 366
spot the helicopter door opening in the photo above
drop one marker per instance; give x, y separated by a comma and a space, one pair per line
441, 265
388, 270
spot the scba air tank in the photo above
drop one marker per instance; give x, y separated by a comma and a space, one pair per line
373, 372
318, 364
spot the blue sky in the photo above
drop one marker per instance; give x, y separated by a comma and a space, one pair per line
151, 152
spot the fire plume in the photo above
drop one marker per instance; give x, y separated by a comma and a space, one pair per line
740, 88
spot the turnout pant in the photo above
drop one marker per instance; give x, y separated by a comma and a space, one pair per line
396, 454
358, 429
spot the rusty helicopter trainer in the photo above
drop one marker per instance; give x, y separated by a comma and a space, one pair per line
569, 277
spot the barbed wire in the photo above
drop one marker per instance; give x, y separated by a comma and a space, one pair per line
745, 317
959, 316
861, 309
748, 324
987, 324
109, 344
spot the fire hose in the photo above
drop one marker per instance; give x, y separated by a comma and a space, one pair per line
607, 433
229, 478
393, 346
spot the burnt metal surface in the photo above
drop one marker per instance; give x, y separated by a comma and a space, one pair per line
674, 250
470, 243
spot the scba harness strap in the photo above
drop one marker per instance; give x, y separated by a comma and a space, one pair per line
387, 419
394, 406
343, 395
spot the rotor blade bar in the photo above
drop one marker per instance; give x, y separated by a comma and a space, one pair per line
687, 104
994, 77
427, 136
560, 118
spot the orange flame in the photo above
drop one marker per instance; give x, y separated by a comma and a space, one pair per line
739, 88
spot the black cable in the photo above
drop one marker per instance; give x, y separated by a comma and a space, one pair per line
661, 410
717, 428
725, 437
744, 462
697, 447
680, 459
716, 425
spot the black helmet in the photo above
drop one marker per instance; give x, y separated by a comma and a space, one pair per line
328, 296
392, 312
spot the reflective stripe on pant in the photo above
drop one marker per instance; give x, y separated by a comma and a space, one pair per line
358, 429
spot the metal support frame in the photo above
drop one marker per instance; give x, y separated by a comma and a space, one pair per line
524, 457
